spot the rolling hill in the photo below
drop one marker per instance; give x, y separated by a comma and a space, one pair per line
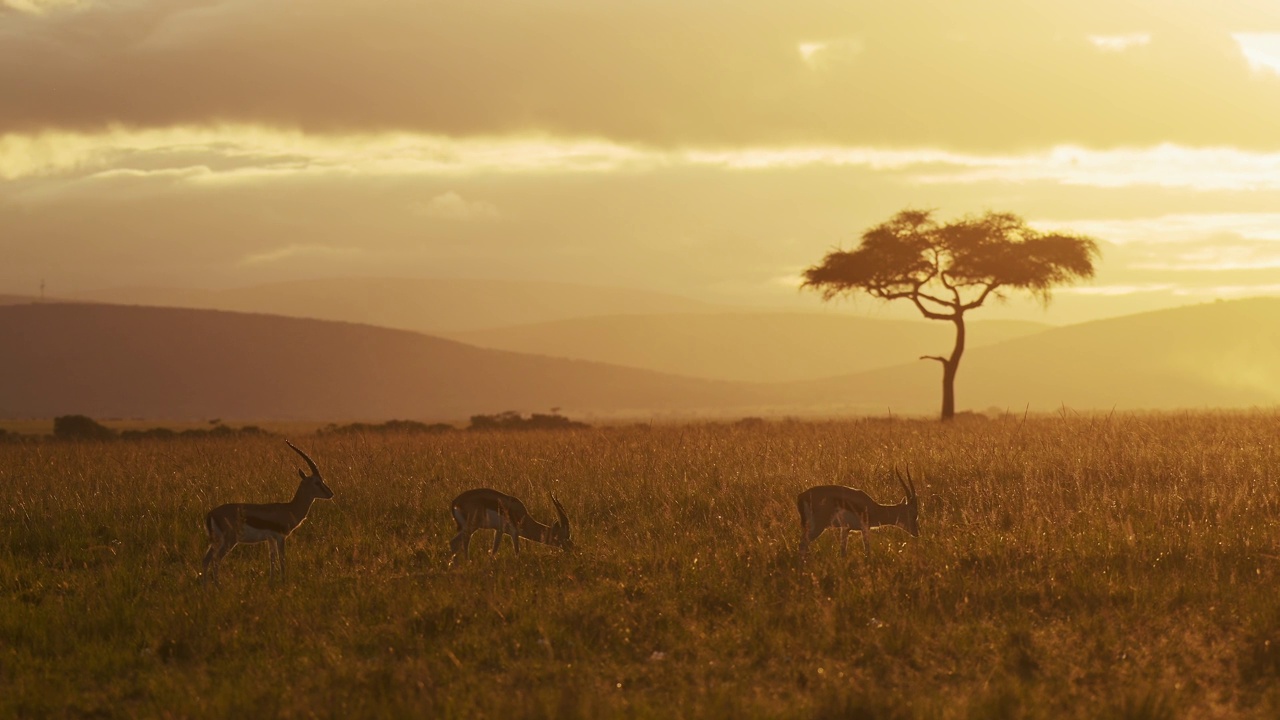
164, 363
430, 306
1215, 355
112, 361
745, 347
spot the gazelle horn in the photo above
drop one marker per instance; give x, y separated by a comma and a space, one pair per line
910, 490
564, 519
311, 463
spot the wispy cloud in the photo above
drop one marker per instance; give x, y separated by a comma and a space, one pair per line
41, 7
1229, 291
452, 206
249, 154
1262, 50
1222, 256
1118, 290
829, 53
1165, 165
1177, 228
1120, 43
293, 252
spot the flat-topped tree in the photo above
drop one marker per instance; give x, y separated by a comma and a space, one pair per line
948, 270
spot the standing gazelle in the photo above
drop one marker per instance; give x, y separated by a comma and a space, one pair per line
235, 523
485, 509
847, 509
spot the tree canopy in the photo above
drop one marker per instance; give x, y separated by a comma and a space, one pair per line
950, 268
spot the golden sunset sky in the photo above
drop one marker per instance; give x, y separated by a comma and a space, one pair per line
709, 148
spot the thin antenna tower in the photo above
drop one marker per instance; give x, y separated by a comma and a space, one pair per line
41, 289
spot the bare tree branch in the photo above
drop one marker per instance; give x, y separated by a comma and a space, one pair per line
982, 298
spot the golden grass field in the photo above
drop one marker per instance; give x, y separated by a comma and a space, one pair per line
1069, 566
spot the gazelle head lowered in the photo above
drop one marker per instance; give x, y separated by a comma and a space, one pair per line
559, 535
487, 509
847, 509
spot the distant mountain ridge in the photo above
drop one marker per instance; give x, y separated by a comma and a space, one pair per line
744, 347
1224, 354
430, 306
633, 328
163, 363
167, 363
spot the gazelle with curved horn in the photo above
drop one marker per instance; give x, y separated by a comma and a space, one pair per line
847, 509
485, 509
245, 523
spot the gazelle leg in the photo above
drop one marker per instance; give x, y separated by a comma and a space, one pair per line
208, 561
811, 533
866, 541
219, 552
497, 540
271, 560
844, 542
213, 556
461, 546
515, 538
458, 545
279, 543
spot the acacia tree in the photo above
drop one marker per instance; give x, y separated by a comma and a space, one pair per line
948, 270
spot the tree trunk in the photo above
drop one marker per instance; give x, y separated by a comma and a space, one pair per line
949, 368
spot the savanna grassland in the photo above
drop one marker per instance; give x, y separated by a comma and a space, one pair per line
1070, 566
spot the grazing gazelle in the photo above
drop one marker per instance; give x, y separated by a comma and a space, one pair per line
847, 509
485, 509
235, 523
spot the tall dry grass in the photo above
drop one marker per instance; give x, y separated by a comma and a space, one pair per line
1067, 567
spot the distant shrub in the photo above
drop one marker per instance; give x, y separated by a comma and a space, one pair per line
159, 433
390, 426
80, 427
163, 433
512, 420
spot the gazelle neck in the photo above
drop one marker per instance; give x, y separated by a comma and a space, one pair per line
889, 514
300, 505
531, 529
